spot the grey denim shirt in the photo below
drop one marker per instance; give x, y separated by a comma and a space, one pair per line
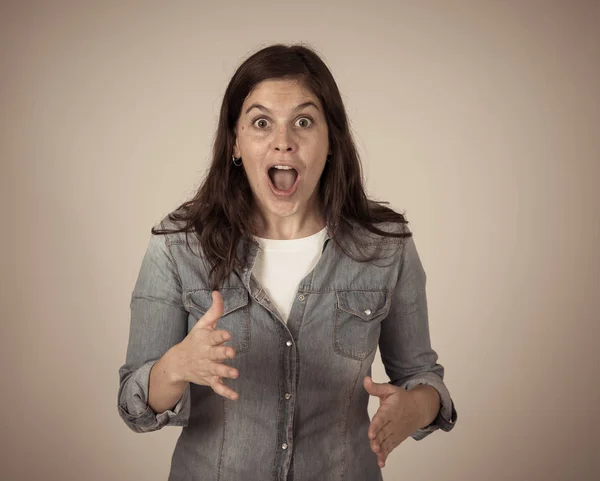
302, 413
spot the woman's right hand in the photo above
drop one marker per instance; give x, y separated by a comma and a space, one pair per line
198, 357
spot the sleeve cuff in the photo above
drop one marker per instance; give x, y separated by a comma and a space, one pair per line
447, 416
138, 415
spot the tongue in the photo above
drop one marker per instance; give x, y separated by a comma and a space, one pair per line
283, 179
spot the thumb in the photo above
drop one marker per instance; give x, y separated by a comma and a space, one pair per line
210, 317
377, 389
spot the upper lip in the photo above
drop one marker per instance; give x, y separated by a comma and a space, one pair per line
289, 164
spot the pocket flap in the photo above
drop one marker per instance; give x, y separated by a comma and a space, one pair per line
367, 305
233, 298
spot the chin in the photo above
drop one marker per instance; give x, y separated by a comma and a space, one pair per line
284, 209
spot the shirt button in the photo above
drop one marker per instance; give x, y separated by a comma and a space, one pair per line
368, 312
301, 297
288, 395
284, 446
288, 343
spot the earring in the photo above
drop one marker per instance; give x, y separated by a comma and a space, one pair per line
235, 160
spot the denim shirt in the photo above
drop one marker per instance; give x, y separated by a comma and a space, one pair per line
302, 412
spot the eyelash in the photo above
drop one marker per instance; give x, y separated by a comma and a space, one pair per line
265, 118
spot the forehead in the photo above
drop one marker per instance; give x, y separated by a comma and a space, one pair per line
279, 94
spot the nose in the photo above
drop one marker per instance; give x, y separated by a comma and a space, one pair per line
284, 141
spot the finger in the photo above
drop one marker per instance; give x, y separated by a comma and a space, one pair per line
386, 445
381, 390
222, 390
382, 458
218, 337
222, 370
383, 433
376, 424
218, 353
210, 317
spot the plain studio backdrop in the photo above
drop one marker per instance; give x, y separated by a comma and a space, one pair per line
480, 120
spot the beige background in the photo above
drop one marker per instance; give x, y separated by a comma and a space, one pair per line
479, 119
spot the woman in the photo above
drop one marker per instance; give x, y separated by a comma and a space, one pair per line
260, 302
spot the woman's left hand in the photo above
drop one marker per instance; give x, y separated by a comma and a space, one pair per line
395, 420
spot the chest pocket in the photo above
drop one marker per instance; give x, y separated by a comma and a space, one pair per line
235, 318
357, 322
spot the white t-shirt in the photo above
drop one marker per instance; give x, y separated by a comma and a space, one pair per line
281, 264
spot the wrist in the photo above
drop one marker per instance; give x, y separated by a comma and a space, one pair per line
171, 364
427, 404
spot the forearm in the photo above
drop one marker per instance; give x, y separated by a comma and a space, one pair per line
164, 391
427, 401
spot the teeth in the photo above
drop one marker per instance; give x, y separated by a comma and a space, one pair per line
282, 167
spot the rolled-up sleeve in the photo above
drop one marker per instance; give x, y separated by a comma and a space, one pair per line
405, 344
158, 322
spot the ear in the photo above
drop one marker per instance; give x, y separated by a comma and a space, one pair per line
236, 147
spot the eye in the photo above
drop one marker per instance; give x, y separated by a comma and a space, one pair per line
306, 120
260, 122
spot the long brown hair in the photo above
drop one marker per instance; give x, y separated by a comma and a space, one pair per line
220, 212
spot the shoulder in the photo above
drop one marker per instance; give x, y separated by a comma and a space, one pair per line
398, 233
388, 221
173, 226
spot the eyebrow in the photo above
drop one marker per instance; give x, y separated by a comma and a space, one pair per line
265, 109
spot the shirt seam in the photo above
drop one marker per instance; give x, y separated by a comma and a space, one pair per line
157, 299
172, 258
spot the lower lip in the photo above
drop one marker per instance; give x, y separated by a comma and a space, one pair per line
283, 193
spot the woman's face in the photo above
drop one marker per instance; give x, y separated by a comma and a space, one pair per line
282, 123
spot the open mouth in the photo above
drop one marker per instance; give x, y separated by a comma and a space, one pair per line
283, 181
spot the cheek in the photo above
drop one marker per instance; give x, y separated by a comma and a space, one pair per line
253, 171
259, 150
255, 147
253, 156
250, 139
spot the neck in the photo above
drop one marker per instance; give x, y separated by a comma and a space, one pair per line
292, 227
